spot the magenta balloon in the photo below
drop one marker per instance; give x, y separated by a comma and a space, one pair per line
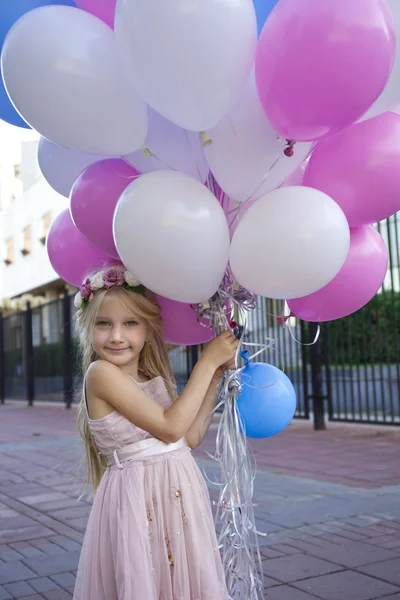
321, 64
180, 324
94, 197
359, 280
70, 255
103, 9
359, 169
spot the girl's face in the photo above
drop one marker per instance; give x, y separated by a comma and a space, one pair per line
118, 334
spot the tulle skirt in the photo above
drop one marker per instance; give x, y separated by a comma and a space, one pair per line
150, 535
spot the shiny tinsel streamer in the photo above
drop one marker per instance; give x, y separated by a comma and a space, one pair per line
238, 538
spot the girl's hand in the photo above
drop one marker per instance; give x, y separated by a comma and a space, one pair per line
221, 351
219, 373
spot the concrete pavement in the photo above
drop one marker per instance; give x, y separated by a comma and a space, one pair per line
329, 503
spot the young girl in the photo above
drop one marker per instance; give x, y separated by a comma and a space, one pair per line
150, 534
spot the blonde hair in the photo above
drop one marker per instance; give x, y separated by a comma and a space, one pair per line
153, 361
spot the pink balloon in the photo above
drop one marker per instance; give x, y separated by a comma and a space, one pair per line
94, 197
70, 255
321, 64
180, 324
359, 169
103, 9
354, 286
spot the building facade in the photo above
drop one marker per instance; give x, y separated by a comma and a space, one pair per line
27, 207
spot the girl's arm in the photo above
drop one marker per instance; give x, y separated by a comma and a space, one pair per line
201, 424
197, 431
109, 384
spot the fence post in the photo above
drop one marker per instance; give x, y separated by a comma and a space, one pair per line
192, 356
2, 360
316, 379
29, 364
68, 367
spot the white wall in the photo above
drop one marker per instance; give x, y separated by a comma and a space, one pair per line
29, 207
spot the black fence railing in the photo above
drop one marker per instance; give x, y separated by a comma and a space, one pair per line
351, 374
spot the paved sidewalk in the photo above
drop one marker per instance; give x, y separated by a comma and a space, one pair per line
329, 503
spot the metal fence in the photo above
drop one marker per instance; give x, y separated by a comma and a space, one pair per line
351, 374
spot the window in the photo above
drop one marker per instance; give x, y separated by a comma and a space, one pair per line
46, 227
27, 242
9, 259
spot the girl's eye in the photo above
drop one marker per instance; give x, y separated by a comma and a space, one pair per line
132, 323
102, 323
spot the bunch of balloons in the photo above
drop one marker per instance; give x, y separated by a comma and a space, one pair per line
190, 135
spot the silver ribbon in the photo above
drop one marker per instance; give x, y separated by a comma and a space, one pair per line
238, 538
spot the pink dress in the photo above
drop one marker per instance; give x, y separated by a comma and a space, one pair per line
150, 534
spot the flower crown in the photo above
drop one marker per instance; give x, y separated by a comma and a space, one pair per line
112, 277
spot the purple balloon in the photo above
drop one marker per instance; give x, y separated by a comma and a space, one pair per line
359, 169
320, 64
358, 281
180, 324
103, 9
70, 255
94, 197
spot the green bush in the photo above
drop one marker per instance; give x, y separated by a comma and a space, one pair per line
369, 336
48, 361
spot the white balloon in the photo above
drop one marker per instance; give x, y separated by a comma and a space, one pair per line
60, 166
390, 96
290, 243
61, 71
246, 155
172, 234
188, 59
171, 147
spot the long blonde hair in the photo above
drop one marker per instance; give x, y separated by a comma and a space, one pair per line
153, 361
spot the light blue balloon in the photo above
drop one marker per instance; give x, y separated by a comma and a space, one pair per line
263, 9
268, 406
10, 12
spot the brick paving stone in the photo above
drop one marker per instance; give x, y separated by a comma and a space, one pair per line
51, 565
388, 570
350, 554
65, 543
297, 566
9, 555
269, 582
346, 585
64, 580
50, 548
19, 590
3, 594
286, 592
58, 595
23, 533
14, 571
285, 549
43, 584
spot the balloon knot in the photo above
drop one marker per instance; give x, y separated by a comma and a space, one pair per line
205, 139
282, 320
289, 149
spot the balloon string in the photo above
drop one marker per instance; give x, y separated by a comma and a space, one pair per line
238, 538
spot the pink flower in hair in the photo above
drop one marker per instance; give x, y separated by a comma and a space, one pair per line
113, 277
86, 290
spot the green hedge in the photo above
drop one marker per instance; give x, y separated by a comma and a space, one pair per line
48, 360
369, 336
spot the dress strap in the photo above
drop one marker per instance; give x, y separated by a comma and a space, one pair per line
85, 397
